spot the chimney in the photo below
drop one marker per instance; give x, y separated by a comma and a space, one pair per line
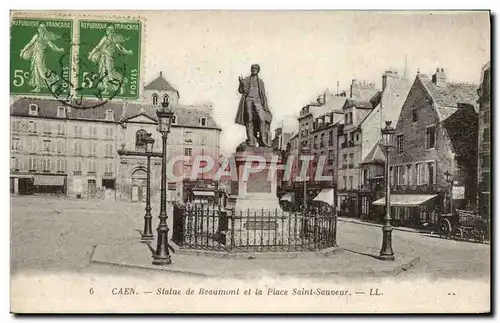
439, 78
161, 74
386, 77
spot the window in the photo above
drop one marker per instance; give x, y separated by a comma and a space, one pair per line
408, 175
345, 161
33, 110
165, 99
391, 175
188, 137
485, 161
315, 142
61, 129
420, 174
365, 176
400, 145
351, 137
46, 164
109, 167
357, 137
78, 166
139, 136
322, 141
61, 112
414, 115
203, 121
430, 172
78, 131
14, 144
351, 160
344, 181
46, 145
174, 119
60, 146
486, 135
61, 165
108, 150
350, 183
330, 138
78, 148
46, 127
188, 151
32, 127
92, 166
109, 115
155, 99
431, 137
92, 148
93, 131
330, 157
32, 163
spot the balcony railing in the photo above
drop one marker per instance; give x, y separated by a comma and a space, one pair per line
91, 173
109, 174
77, 172
343, 145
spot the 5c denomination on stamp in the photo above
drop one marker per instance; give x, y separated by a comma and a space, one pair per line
109, 58
40, 53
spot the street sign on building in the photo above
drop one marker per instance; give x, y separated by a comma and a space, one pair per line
458, 192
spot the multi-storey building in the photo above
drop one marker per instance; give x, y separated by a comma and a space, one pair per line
99, 152
484, 146
394, 92
436, 132
350, 146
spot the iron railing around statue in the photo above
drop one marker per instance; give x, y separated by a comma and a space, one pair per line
211, 227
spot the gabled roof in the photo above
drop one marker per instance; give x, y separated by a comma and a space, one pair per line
160, 84
462, 129
185, 115
452, 93
375, 155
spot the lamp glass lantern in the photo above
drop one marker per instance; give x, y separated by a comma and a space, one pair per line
164, 118
447, 176
149, 143
388, 134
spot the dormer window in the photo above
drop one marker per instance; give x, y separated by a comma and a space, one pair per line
33, 110
61, 112
155, 99
203, 122
109, 115
174, 119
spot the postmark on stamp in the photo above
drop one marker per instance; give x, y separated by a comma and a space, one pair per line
40, 56
109, 58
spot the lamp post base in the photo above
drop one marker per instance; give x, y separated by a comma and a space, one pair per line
386, 257
162, 261
147, 238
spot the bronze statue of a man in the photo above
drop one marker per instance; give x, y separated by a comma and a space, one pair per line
253, 111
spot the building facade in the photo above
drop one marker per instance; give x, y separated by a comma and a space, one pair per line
99, 153
484, 145
435, 133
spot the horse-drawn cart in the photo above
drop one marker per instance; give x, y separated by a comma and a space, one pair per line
463, 225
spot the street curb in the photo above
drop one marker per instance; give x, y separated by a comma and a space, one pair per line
380, 226
99, 259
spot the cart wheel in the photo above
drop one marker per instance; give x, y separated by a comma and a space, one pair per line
458, 234
444, 228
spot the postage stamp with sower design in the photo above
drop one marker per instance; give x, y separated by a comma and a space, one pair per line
109, 59
40, 56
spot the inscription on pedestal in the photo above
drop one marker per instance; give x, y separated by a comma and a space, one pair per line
258, 183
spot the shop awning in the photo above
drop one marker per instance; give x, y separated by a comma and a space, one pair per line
286, 197
406, 199
48, 180
203, 193
326, 195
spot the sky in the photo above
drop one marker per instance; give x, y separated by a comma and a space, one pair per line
302, 53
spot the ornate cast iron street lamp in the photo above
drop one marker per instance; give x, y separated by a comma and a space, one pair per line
147, 234
161, 255
449, 180
386, 252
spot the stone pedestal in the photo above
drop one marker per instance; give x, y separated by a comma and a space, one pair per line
257, 191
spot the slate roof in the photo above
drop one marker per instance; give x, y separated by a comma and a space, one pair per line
160, 84
186, 115
375, 155
452, 93
47, 108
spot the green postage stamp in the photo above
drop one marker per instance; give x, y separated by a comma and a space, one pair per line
109, 59
40, 56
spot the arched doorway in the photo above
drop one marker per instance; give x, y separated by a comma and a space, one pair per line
139, 185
